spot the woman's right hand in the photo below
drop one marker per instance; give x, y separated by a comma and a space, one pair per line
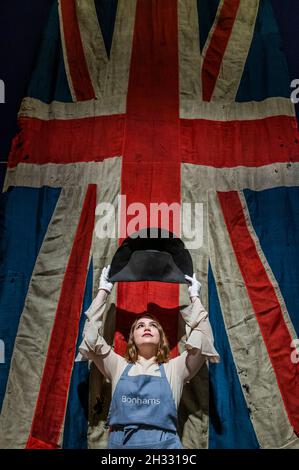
104, 280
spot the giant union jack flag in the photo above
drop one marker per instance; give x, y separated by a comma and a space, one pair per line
174, 101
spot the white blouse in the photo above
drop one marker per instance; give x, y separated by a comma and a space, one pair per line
199, 347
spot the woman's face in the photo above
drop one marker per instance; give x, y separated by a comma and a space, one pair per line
146, 332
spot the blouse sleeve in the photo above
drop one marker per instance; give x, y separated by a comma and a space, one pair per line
199, 345
93, 346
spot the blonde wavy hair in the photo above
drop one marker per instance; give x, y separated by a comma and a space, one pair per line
163, 352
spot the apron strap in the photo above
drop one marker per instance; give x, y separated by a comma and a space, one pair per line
162, 370
128, 367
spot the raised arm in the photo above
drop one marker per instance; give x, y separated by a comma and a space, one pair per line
199, 345
93, 346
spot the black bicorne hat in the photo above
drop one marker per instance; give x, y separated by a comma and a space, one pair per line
152, 254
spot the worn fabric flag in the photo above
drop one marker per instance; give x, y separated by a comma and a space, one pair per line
181, 102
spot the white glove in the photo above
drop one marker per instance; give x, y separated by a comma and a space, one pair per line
194, 289
104, 280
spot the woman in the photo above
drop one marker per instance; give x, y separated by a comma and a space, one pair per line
146, 384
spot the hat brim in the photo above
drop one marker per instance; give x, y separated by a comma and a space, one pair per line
151, 265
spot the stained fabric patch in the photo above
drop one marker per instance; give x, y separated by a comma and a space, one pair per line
266, 71
106, 13
24, 219
274, 215
229, 417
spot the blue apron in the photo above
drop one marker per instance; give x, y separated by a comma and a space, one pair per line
142, 413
